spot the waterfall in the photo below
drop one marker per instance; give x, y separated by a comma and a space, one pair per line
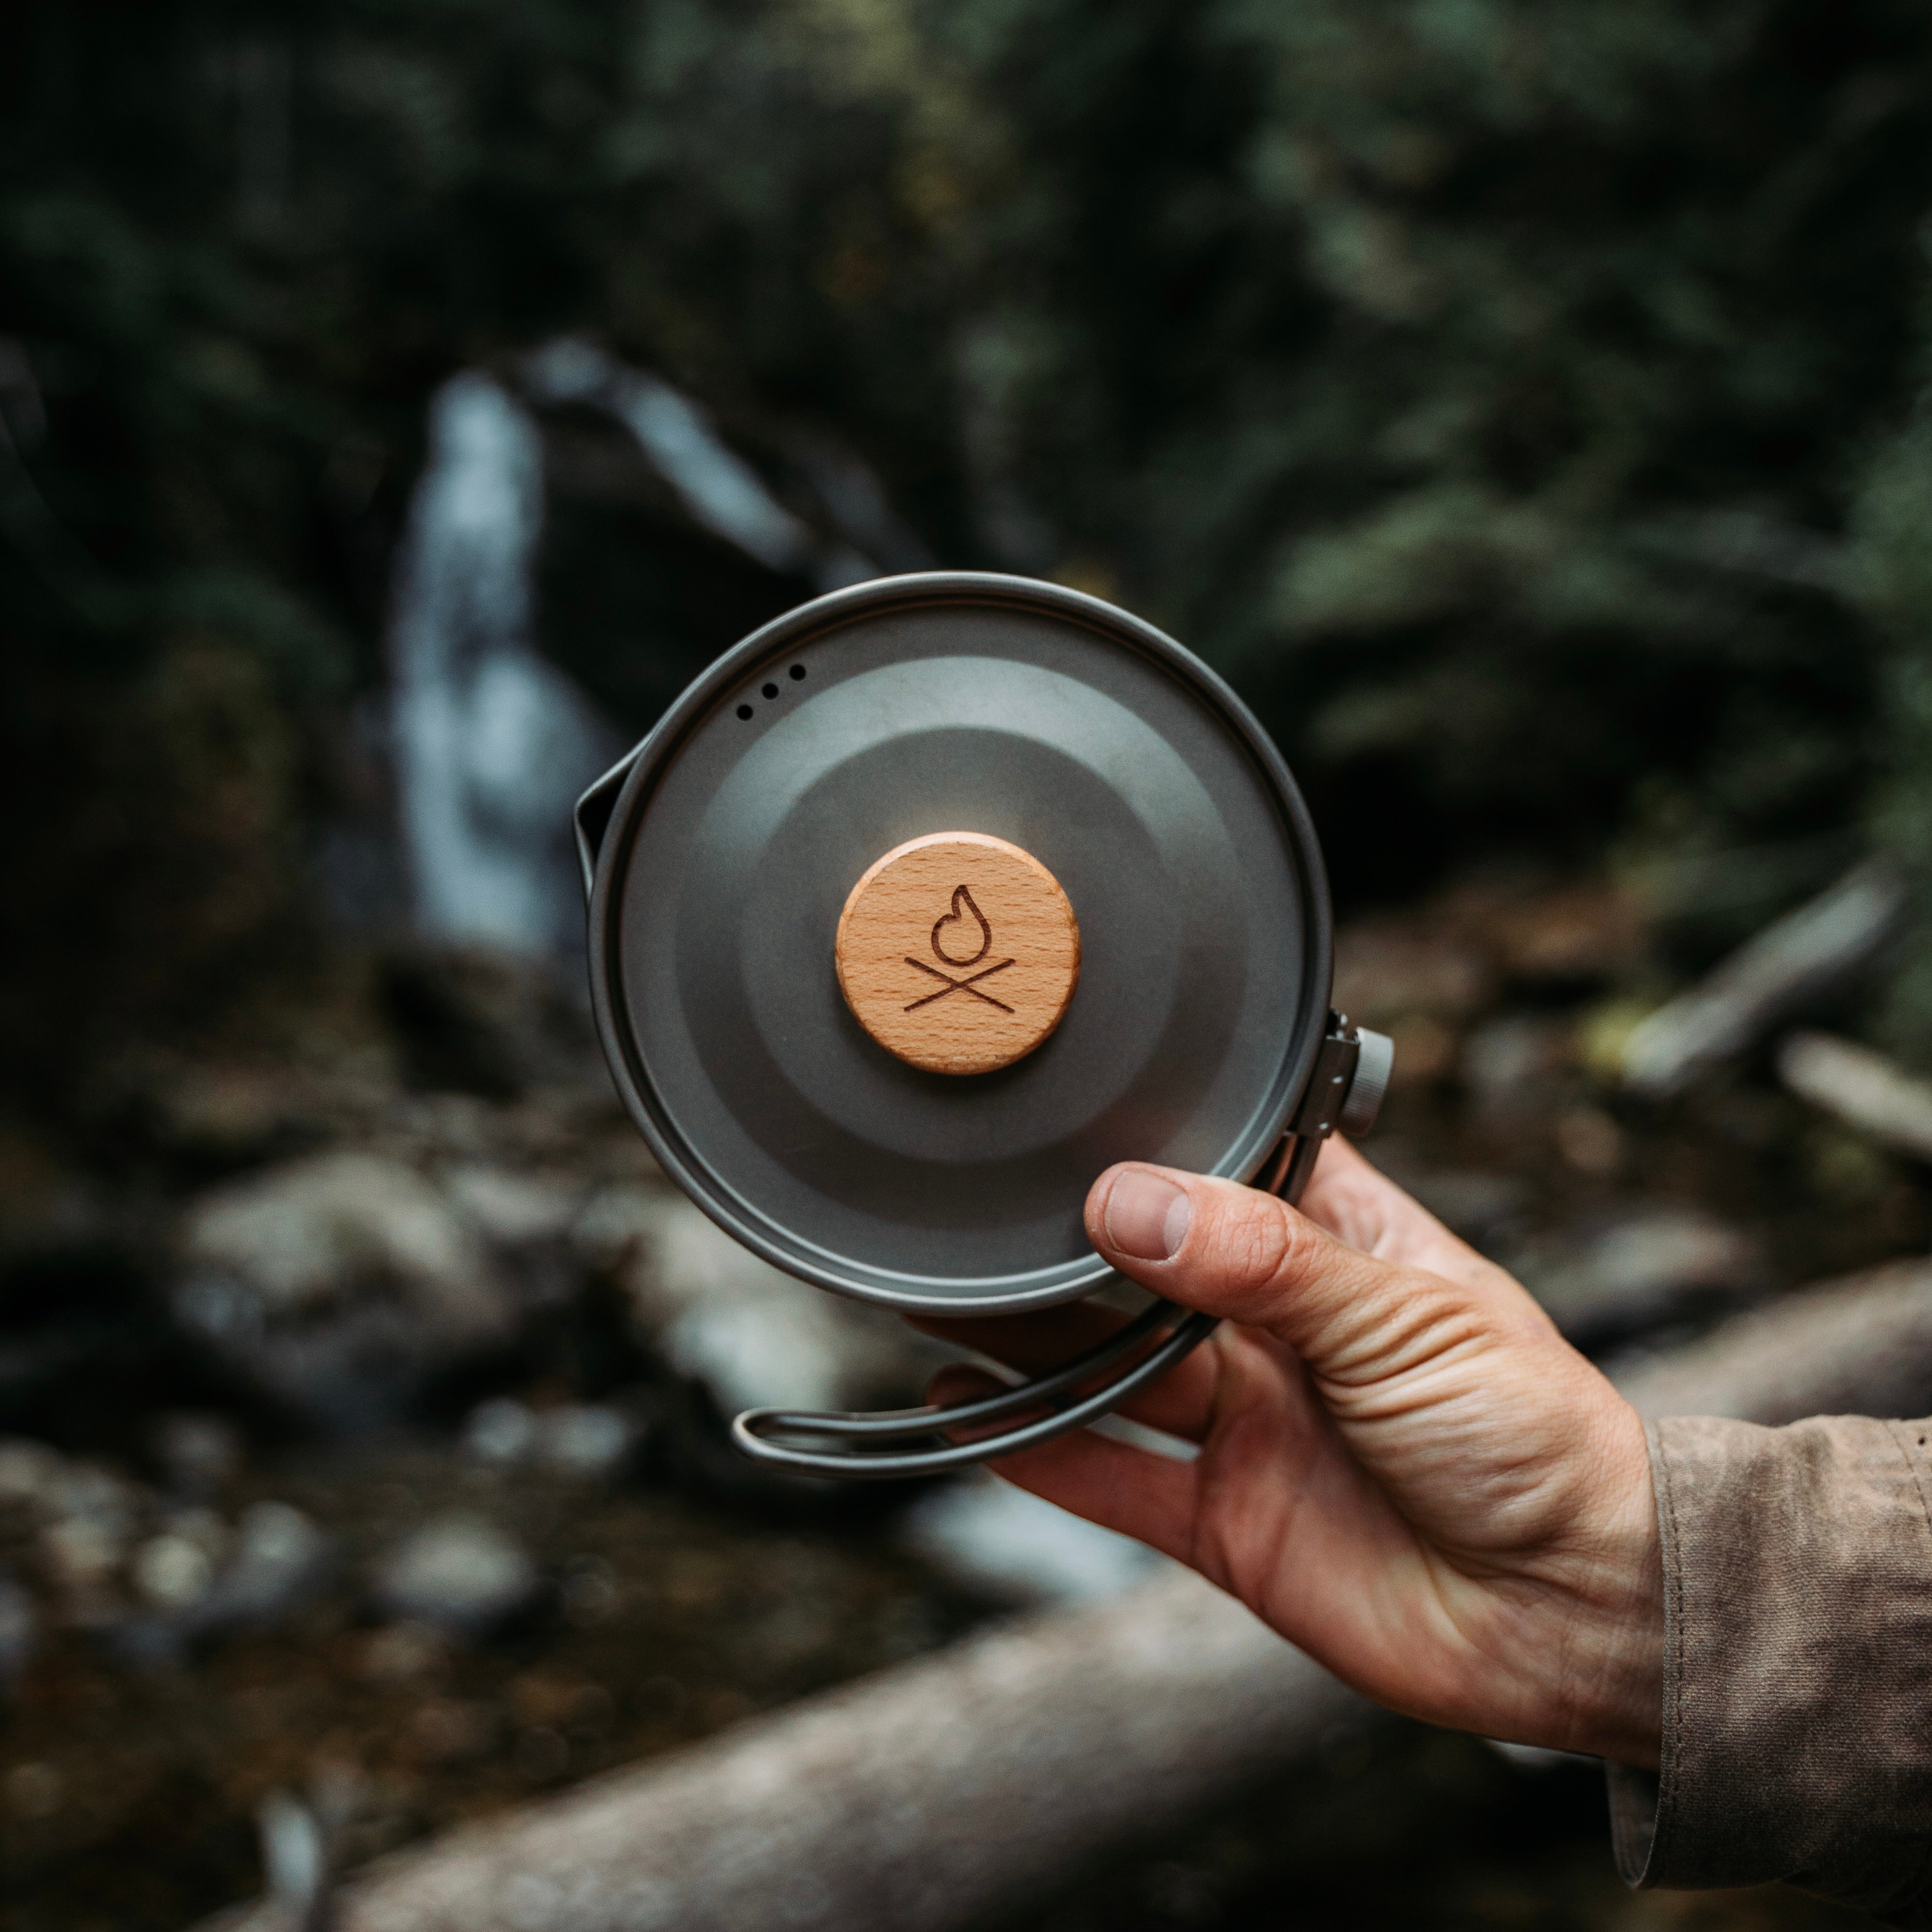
719, 488
493, 744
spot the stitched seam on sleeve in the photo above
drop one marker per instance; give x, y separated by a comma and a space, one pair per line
1912, 1468
1670, 1763
1912, 1892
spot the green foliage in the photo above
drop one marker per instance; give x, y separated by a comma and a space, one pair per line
1484, 384
1481, 381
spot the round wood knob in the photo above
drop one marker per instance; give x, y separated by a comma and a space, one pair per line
958, 952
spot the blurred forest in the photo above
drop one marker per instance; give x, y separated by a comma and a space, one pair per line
1518, 402
1523, 404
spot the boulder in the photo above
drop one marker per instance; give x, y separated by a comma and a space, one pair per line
339, 1283
749, 1334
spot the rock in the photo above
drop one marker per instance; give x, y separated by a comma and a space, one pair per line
525, 1220
580, 1439
91, 1516
513, 1210
277, 1560
1644, 1268
474, 1019
30, 1472
585, 1439
83, 1519
749, 1334
339, 1283
460, 1574
501, 1432
117, 1560
279, 1557
178, 1568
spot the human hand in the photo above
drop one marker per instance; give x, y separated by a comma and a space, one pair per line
1401, 1466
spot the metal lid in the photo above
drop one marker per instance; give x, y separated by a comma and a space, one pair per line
721, 854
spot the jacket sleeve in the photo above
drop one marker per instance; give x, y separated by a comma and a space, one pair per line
1797, 1734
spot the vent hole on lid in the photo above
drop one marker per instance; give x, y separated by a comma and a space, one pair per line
771, 691
744, 711
797, 672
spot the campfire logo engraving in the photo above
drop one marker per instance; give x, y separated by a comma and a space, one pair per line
964, 923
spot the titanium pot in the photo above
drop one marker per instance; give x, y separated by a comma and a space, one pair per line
921, 907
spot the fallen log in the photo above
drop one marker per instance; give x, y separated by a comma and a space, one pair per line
1771, 979
1864, 1089
940, 1793
930, 1795
1861, 1346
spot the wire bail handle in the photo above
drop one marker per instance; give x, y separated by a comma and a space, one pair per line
1345, 1092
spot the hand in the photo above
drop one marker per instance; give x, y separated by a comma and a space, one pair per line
1401, 1466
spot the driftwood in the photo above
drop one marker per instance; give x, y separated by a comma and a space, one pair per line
942, 1792
1864, 1089
1774, 977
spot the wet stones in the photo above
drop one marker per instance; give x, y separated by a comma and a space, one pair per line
461, 1574
746, 1333
93, 1549
587, 1439
339, 1283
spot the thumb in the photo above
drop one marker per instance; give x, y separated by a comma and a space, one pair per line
1249, 1257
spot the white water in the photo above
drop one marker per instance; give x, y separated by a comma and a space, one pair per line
719, 489
493, 744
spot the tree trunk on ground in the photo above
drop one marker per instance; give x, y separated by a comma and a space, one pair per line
928, 1797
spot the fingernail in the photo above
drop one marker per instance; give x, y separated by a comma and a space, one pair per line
1146, 1217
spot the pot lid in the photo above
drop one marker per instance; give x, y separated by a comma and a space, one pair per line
772, 1056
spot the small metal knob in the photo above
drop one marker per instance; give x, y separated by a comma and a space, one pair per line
1374, 1061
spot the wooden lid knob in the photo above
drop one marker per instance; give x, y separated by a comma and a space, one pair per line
958, 952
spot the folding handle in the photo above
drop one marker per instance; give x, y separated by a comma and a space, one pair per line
1159, 1336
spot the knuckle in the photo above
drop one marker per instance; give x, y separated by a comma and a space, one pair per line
1254, 1242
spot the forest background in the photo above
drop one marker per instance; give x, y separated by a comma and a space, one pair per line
1519, 402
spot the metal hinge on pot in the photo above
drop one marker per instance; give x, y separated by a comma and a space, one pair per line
1351, 1077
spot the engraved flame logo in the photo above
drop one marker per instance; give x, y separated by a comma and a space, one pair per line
961, 897
966, 917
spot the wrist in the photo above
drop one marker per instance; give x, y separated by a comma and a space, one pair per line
1618, 1710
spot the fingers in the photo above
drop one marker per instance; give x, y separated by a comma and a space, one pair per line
1363, 1207
1150, 1498
1348, 1196
1216, 1246
1270, 1459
